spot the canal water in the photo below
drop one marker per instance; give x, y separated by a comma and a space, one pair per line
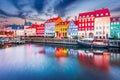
58, 62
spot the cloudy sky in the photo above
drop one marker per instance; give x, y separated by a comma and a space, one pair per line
14, 11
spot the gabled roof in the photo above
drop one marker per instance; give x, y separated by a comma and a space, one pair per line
64, 23
52, 19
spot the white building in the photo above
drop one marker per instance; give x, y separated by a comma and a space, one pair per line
102, 23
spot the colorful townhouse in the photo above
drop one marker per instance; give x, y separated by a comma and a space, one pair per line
94, 24
40, 30
61, 29
115, 27
72, 31
86, 24
102, 23
50, 26
31, 30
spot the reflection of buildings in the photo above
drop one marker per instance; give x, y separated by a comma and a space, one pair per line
115, 56
95, 61
72, 52
61, 52
41, 50
50, 50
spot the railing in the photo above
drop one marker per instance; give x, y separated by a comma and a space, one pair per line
52, 40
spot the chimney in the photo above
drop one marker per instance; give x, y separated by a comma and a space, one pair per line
76, 18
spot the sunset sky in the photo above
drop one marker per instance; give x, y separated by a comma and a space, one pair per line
41, 10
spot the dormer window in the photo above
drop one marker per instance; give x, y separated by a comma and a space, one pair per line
102, 14
97, 15
106, 14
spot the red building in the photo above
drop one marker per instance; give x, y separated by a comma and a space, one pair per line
94, 24
86, 24
40, 30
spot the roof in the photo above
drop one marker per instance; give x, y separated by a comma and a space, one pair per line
95, 12
75, 22
52, 19
64, 23
115, 19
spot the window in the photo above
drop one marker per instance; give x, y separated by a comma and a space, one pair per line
96, 32
99, 27
106, 14
92, 24
113, 19
117, 23
82, 20
82, 24
119, 19
111, 23
88, 24
100, 32
85, 24
97, 15
96, 27
91, 15
79, 20
102, 14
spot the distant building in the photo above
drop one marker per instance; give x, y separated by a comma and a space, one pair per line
115, 27
50, 26
40, 30
61, 29
72, 30
31, 30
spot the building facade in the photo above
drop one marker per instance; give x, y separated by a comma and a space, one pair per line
61, 29
86, 24
72, 30
102, 23
50, 26
115, 27
40, 30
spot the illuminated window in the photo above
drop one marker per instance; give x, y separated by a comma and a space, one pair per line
82, 24
92, 24
119, 19
114, 23
88, 24
106, 14
91, 15
97, 15
82, 20
85, 24
102, 14
79, 24
79, 20
117, 23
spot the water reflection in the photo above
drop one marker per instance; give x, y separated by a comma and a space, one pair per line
53, 63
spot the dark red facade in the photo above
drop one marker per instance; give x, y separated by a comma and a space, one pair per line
86, 21
40, 30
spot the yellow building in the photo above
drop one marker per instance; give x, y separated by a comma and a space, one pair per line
61, 29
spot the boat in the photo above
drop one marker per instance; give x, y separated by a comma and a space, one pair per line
95, 43
86, 42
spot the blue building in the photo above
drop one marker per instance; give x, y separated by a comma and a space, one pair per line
72, 30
